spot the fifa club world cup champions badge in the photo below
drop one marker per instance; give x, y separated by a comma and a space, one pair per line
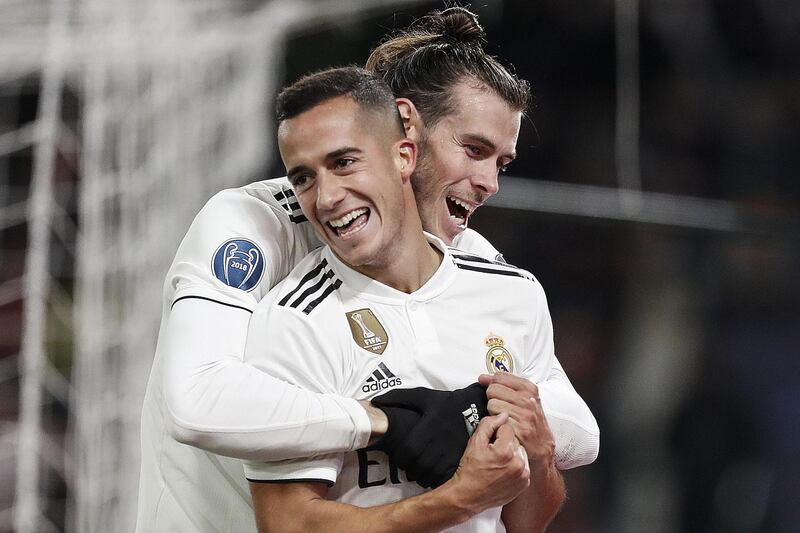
497, 358
367, 331
238, 263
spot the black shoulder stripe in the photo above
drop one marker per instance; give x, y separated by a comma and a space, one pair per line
312, 289
478, 259
491, 270
329, 289
308, 277
210, 300
327, 283
289, 203
285, 194
490, 267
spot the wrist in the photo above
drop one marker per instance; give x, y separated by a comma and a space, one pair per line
379, 422
542, 467
455, 499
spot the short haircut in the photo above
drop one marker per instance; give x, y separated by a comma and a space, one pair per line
369, 91
439, 50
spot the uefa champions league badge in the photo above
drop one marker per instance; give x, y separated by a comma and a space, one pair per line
238, 263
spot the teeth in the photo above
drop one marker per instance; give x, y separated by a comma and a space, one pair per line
461, 203
458, 220
346, 219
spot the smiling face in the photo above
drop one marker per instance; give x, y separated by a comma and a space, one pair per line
460, 158
350, 170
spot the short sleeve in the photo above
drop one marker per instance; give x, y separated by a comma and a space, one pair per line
324, 468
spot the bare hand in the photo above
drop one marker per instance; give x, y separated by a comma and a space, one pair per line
519, 398
493, 471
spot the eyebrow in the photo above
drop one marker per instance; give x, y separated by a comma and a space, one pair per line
330, 155
477, 137
341, 151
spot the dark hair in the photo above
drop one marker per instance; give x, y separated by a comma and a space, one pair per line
370, 92
439, 50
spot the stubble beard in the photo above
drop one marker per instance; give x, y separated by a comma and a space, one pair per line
420, 183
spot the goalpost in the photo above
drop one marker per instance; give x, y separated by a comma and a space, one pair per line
174, 105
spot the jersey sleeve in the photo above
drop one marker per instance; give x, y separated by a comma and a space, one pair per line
293, 346
541, 348
574, 428
237, 247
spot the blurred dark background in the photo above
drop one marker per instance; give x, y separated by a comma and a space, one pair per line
683, 339
658, 208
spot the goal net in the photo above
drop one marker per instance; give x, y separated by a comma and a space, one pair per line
143, 110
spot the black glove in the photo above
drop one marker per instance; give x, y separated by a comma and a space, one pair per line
430, 450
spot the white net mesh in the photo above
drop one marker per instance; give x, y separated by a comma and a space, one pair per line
171, 103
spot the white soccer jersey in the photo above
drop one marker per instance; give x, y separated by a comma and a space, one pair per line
204, 404
330, 329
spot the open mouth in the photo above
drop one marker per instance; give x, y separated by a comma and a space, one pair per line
459, 210
349, 223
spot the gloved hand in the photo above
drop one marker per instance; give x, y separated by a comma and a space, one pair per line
429, 450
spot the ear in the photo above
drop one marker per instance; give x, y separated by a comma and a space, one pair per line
412, 121
406, 158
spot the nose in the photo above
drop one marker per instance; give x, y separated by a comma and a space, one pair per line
329, 191
485, 179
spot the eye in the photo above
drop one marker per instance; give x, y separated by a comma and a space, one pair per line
300, 181
502, 164
343, 162
474, 150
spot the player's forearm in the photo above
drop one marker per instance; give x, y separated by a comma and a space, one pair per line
217, 402
433, 511
534, 509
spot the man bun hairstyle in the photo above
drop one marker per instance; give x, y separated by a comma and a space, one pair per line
369, 91
458, 24
424, 62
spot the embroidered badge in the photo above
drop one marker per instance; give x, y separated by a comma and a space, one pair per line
498, 359
238, 263
367, 331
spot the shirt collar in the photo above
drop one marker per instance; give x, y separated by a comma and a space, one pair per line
367, 288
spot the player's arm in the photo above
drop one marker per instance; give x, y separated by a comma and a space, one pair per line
574, 428
220, 403
492, 473
536, 507
214, 400
518, 396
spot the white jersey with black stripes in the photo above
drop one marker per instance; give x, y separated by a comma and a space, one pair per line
330, 329
205, 405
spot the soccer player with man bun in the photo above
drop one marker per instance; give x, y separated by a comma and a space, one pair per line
205, 406
462, 108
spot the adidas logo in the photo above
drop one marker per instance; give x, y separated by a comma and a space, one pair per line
380, 380
471, 418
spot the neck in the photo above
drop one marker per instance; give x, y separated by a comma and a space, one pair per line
413, 264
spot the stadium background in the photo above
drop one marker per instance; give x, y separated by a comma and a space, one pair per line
654, 197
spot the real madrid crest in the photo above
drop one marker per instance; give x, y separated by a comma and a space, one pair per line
367, 331
497, 358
